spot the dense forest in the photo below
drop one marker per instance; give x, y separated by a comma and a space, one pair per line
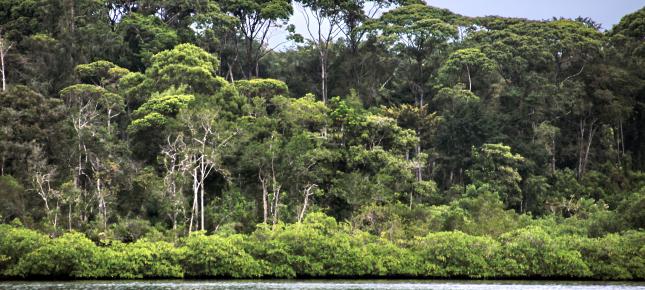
169, 138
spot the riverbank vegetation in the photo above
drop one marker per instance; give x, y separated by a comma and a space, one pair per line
322, 247
169, 139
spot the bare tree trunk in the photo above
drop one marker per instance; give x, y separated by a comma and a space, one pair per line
323, 74
309, 188
201, 201
202, 177
56, 215
2, 54
265, 197
4, 48
276, 191
584, 145
276, 203
194, 208
102, 203
69, 215
4, 82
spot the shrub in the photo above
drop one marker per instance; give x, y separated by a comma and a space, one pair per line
16, 243
614, 256
386, 259
71, 255
531, 252
217, 256
141, 259
456, 254
315, 248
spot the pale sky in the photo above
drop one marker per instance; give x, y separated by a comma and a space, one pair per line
606, 12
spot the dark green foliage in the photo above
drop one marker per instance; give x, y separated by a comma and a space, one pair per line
144, 139
12, 199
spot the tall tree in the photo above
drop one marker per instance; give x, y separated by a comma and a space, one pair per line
255, 19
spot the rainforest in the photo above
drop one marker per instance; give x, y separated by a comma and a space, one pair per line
393, 139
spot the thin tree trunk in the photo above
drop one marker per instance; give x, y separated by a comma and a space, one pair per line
194, 208
201, 200
4, 48
553, 155
470, 82
323, 74
69, 216
56, 215
2, 51
265, 196
202, 176
308, 192
585, 140
276, 193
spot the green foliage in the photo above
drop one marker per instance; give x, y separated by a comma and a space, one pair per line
631, 209
16, 243
100, 72
417, 24
322, 247
72, 255
475, 147
80, 95
143, 37
455, 254
305, 112
217, 256
264, 88
532, 252
186, 64
496, 165
468, 61
140, 259
12, 198
613, 256
165, 104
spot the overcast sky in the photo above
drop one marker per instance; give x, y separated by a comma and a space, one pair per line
606, 12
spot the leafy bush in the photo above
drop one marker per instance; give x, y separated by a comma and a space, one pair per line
217, 256
16, 243
316, 248
322, 247
386, 259
614, 256
531, 252
71, 255
456, 254
141, 259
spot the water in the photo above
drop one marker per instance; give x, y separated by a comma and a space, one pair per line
319, 284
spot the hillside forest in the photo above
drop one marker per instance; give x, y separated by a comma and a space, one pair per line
169, 138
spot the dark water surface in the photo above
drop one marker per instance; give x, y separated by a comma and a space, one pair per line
318, 284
